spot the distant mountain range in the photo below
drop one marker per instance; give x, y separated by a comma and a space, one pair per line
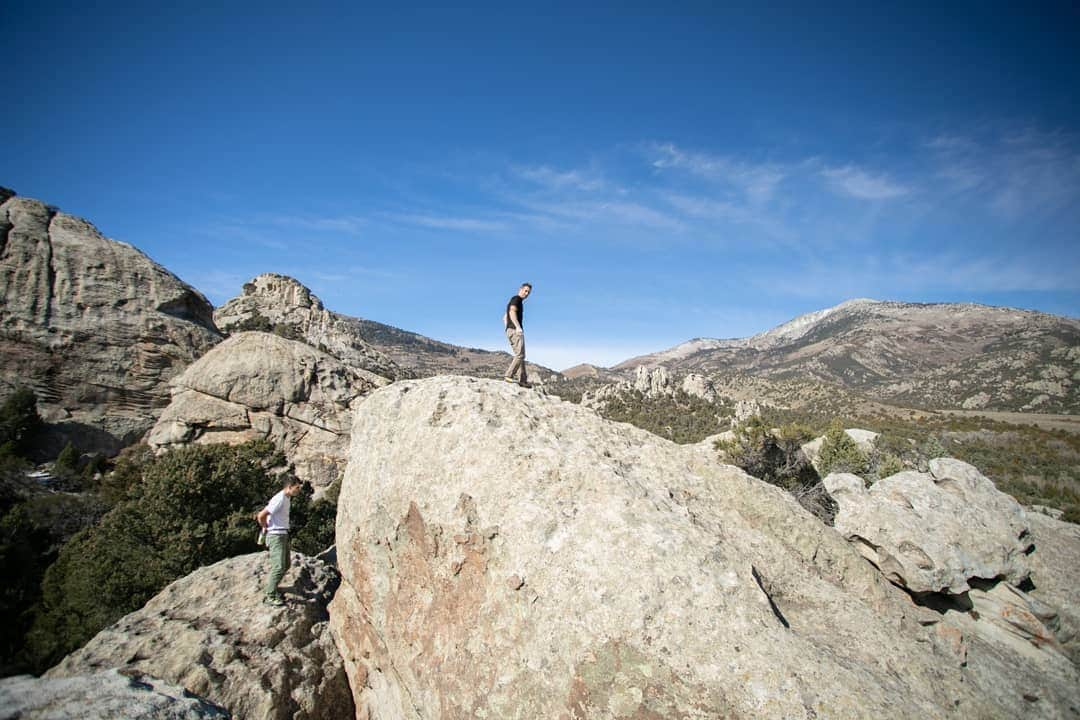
939, 355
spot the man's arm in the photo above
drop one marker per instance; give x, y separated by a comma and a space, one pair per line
514, 318
263, 518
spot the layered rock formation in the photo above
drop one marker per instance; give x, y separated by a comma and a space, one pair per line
954, 541
505, 554
95, 327
105, 695
276, 301
211, 634
933, 532
1055, 576
257, 384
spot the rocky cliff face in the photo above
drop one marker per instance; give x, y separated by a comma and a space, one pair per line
506, 554
927, 355
211, 634
259, 385
95, 327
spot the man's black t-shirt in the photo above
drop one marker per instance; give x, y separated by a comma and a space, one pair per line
515, 302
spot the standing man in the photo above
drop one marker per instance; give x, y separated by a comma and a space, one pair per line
515, 315
274, 520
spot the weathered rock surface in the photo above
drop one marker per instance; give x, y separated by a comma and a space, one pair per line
210, 633
508, 555
933, 532
277, 300
257, 384
95, 327
106, 695
1055, 575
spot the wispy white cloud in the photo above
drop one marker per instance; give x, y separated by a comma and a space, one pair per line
858, 183
556, 180
442, 222
723, 211
615, 212
346, 224
757, 181
1018, 175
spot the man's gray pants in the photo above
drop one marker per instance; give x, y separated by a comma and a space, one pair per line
517, 344
280, 560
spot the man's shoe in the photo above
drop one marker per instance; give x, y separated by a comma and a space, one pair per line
525, 384
274, 600
509, 379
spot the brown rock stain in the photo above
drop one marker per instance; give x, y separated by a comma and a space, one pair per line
435, 607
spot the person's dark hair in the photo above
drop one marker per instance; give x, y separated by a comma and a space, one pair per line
528, 285
291, 480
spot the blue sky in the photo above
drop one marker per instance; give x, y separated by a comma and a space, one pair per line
658, 172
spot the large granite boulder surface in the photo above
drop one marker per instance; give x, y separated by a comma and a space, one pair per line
94, 326
211, 633
508, 555
260, 385
104, 695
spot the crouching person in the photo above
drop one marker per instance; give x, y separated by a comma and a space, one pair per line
274, 520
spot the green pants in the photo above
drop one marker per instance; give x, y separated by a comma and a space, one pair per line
279, 561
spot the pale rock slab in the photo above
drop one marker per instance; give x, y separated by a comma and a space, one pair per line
260, 385
505, 555
105, 695
210, 633
94, 326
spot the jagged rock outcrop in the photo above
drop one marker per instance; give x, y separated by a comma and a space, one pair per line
271, 300
256, 385
933, 532
105, 695
94, 326
864, 439
211, 633
505, 554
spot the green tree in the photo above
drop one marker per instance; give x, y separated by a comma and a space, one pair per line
775, 457
192, 507
67, 462
314, 521
19, 421
839, 453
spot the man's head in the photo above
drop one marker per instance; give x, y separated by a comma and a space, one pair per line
292, 486
524, 290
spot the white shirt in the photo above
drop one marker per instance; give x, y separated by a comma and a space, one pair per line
278, 507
